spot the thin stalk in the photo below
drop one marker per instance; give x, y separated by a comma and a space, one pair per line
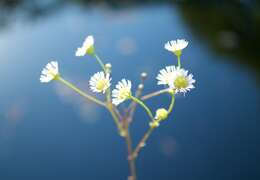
100, 62
132, 107
179, 61
172, 104
148, 96
142, 143
131, 160
144, 106
73, 87
149, 132
116, 120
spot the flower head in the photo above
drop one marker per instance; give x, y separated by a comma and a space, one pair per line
176, 78
176, 46
166, 76
87, 47
49, 72
122, 92
183, 82
99, 82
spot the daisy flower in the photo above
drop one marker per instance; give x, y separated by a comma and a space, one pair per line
176, 46
166, 76
99, 82
122, 92
87, 47
183, 82
176, 78
49, 72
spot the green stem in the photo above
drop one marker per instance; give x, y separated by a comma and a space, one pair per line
144, 106
73, 87
148, 96
100, 62
116, 120
172, 104
179, 61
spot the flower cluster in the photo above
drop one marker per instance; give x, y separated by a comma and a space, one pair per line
175, 78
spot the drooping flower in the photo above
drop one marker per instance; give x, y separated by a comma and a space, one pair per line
176, 46
99, 82
49, 72
122, 92
87, 47
176, 78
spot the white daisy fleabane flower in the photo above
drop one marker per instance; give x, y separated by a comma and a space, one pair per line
166, 76
176, 78
176, 45
87, 47
122, 91
99, 82
49, 72
183, 82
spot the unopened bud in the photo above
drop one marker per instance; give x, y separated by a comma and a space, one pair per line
108, 67
161, 114
140, 86
143, 75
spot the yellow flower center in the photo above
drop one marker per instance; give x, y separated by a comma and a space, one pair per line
180, 82
101, 84
177, 52
90, 50
124, 93
52, 73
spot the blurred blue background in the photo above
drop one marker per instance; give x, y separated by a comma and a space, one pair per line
49, 132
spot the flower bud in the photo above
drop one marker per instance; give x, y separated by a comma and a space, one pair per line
140, 86
108, 67
161, 114
143, 75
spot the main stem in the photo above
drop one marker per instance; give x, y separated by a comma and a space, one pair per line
131, 160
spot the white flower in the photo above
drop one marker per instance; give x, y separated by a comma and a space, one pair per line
183, 82
99, 82
122, 92
87, 47
166, 76
176, 46
49, 72
176, 78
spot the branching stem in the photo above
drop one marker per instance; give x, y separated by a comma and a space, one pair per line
156, 93
73, 87
144, 106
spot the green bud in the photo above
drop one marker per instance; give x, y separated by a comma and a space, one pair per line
161, 114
